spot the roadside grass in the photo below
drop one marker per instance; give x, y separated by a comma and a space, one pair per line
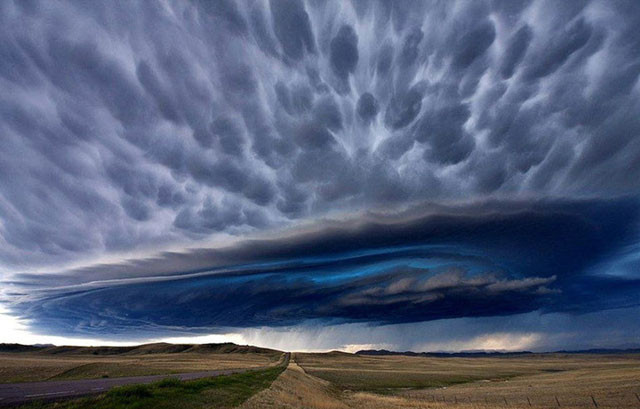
221, 392
294, 389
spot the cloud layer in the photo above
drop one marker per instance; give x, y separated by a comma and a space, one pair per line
308, 137
161, 123
482, 260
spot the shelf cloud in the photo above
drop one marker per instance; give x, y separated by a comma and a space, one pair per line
427, 263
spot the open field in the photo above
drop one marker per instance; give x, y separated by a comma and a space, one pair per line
385, 373
523, 381
340, 381
614, 386
64, 363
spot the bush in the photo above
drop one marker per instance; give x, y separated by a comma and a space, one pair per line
131, 392
169, 383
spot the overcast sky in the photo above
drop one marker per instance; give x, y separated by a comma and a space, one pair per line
321, 174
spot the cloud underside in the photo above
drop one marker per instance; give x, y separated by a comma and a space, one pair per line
430, 263
161, 123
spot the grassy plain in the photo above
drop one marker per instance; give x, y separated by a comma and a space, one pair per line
540, 381
65, 363
342, 381
382, 373
220, 392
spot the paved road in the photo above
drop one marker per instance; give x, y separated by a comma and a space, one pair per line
16, 393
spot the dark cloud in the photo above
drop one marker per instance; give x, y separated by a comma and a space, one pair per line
229, 135
134, 126
515, 51
167, 196
277, 301
152, 84
385, 59
443, 131
227, 12
136, 209
327, 112
558, 50
404, 108
292, 27
410, 48
367, 106
344, 51
313, 135
473, 44
490, 259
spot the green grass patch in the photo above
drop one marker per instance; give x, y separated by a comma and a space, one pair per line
221, 392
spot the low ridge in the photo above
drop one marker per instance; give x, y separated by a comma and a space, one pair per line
154, 348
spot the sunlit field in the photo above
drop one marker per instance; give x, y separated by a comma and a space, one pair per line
549, 380
336, 380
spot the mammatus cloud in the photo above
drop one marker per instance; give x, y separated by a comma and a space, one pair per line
165, 123
133, 127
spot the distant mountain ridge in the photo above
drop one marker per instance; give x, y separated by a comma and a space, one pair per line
467, 354
381, 352
144, 349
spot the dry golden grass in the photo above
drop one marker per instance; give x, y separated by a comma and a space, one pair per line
610, 384
613, 381
294, 389
377, 373
26, 367
343, 381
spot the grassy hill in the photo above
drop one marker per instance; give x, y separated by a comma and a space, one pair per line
145, 349
23, 363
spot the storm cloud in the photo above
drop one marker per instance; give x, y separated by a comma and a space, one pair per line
139, 119
428, 263
154, 131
